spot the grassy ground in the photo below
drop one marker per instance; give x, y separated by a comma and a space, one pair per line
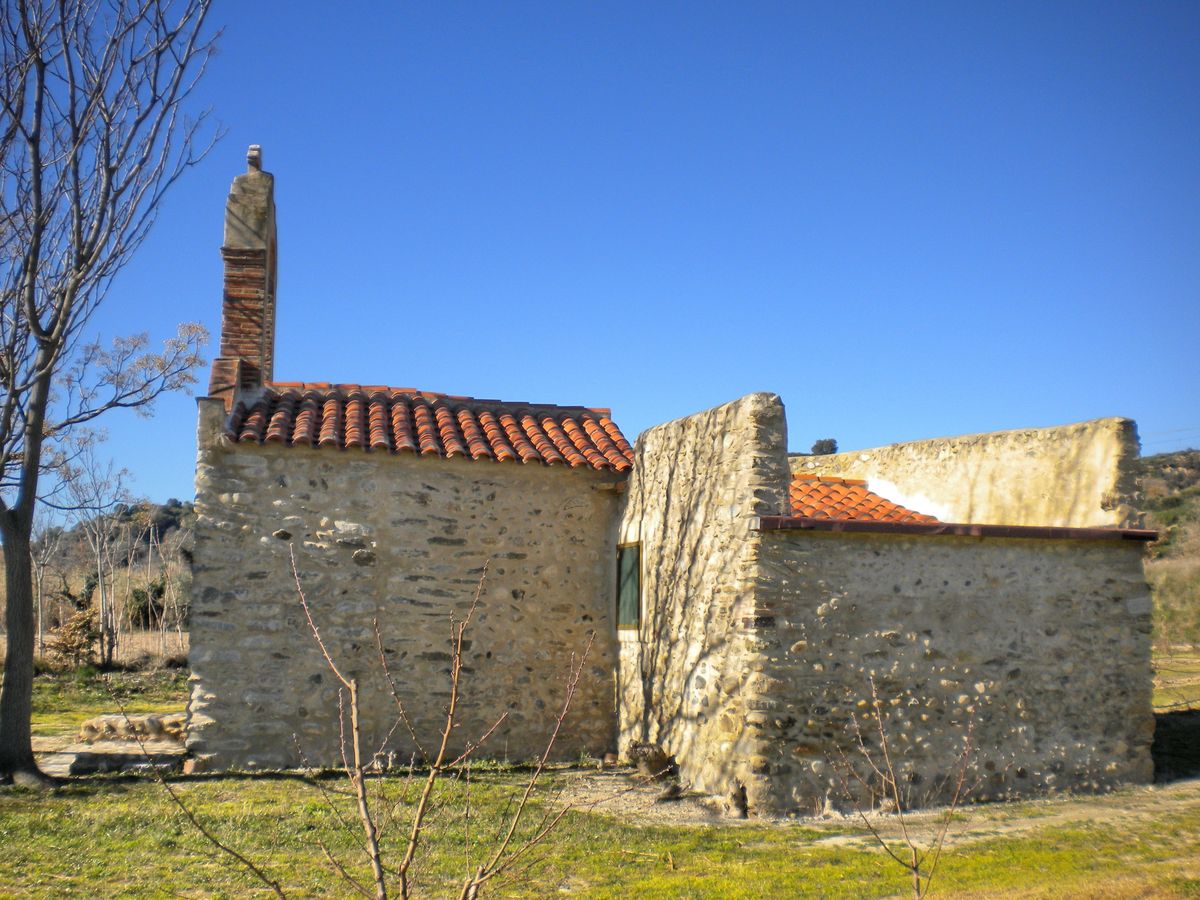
1177, 679
61, 701
108, 837
124, 838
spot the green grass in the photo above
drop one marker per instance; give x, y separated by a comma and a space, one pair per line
1176, 680
62, 700
120, 838
109, 837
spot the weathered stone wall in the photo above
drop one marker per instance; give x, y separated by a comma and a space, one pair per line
690, 674
1076, 475
1047, 641
401, 539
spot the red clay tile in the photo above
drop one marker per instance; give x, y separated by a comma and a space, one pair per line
402, 428
512, 429
381, 439
820, 497
426, 430
331, 422
448, 431
378, 418
540, 440
356, 424
493, 431
308, 421
280, 427
255, 421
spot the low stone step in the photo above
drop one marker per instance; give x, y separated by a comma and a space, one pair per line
113, 756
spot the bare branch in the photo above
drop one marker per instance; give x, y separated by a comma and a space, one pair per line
498, 862
249, 865
94, 131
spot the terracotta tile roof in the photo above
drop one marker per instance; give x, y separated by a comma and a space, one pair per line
405, 420
820, 497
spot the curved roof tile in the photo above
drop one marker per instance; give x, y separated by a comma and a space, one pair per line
403, 420
821, 497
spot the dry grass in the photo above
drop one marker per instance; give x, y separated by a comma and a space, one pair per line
139, 647
1176, 679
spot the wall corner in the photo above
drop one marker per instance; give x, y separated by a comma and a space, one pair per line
1122, 498
212, 415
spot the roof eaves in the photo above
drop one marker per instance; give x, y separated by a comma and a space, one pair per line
1043, 532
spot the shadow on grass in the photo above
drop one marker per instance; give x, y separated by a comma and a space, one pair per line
496, 773
1176, 748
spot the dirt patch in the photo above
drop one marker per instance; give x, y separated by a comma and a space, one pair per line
992, 820
625, 795
634, 798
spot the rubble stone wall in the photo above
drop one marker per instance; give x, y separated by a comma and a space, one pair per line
1043, 644
1075, 475
401, 540
690, 673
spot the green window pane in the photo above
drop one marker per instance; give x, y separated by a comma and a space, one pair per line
628, 587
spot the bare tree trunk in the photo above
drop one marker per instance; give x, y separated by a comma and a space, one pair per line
16, 530
105, 637
16, 700
116, 610
93, 136
39, 577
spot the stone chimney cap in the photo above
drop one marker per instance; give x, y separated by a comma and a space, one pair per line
254, 158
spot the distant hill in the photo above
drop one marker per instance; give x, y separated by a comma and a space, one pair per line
135, 522
136, 526
1169, 487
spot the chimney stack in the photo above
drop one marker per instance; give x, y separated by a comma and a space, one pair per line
247, 349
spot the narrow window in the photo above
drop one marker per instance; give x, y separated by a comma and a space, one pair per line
629, 588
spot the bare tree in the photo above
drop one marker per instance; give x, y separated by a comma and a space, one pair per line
95, 489
175, 575
512, 849
43, 552
93, 133
885, 785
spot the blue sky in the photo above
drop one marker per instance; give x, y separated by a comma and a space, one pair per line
909, 220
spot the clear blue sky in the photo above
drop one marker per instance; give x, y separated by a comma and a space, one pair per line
909, 220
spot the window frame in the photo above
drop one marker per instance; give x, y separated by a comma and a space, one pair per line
636, 625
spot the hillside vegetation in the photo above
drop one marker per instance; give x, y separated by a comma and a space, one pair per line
102, 584
1170, 501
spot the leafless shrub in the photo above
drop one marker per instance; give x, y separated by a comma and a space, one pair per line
872, 779
377, 811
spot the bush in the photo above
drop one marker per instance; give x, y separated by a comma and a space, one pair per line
74, 644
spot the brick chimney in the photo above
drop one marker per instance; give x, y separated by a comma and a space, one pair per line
247, 351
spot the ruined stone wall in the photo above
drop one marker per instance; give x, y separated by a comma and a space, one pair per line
1074, 475
690, 673
1047, 641
401, 539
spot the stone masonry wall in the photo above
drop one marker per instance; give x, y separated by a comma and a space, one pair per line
1047, 641
1072, 475
690, 673
401, 539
